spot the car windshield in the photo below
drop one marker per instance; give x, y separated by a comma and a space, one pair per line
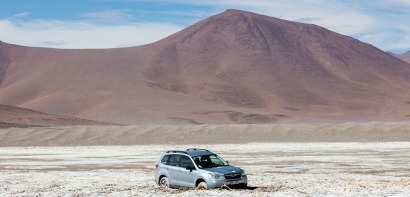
209, 161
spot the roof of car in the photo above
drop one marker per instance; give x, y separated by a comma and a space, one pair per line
192, 151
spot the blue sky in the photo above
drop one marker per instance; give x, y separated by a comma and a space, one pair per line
120, 23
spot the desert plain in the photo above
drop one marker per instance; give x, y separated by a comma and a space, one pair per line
349, 159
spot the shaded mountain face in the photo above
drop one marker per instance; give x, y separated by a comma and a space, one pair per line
234, 67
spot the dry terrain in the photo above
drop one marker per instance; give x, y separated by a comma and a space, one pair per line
203, 134
274, 169
24, 118
349, 159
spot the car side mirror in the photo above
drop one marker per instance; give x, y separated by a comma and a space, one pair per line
227, 162
190, 168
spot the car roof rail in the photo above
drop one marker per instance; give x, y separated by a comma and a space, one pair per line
195, 149
177, 151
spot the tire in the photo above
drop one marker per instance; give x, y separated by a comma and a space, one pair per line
163, 182
243, 185
202, 185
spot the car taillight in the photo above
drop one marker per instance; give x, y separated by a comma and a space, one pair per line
156, 166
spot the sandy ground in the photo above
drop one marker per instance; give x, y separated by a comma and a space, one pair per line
274, 169
204, 134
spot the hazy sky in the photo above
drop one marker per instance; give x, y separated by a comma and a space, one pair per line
118, 23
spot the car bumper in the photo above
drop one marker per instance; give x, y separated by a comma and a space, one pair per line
216, 183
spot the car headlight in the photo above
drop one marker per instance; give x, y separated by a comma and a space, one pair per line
216, 176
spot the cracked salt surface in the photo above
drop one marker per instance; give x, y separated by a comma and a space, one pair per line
274, 169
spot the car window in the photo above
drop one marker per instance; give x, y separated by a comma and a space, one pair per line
174, 160
164, 160
209, 161
186, 161
217, 160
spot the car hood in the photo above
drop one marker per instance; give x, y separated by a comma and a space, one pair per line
224, 169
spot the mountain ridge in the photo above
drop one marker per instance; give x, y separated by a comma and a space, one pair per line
404, 56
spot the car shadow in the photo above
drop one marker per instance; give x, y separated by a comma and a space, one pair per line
243, 188
249, 188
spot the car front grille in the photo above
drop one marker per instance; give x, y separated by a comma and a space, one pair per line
232, 176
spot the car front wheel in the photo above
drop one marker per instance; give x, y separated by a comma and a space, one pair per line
243, 185
163, 182
202, 185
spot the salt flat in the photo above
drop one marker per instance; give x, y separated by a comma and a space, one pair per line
274, 169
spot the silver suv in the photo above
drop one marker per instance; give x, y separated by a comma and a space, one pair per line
197, 168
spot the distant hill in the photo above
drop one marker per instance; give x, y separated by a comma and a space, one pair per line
234, 67
404, 56
19, 117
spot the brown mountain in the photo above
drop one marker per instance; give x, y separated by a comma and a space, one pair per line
404, 56
19, 117
234, 67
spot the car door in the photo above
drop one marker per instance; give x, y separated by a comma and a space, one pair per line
186, 177
174, 168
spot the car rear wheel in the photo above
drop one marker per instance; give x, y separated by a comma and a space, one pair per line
202, 185
163, 182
